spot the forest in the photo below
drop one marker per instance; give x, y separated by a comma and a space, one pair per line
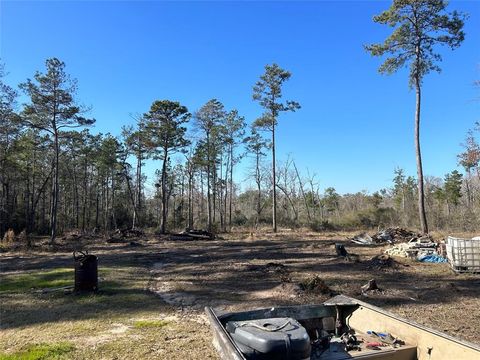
57, 174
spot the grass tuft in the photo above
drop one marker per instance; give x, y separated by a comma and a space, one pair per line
41, 352
141, 324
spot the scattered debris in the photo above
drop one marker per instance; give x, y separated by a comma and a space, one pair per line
374, 345
380, 262
385, 338
370, 286
362, 239
395, 234
384, 236
193, 235
350, 341
315, 285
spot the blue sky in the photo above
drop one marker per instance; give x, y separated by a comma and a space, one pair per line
355, 125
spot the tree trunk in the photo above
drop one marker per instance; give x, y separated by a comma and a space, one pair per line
467, 188
164, 193
53, 216
259, 190
231, 188
85, 194
421, 196
274, 207
138, 201
209, 200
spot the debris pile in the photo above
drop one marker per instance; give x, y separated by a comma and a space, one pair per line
362, 239
395, 234
389, 235
414, 249
193, 235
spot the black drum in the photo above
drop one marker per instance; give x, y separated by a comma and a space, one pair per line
86, 271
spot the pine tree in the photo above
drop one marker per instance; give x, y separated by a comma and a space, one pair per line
208, 119
268, 92
419, 25
52, 108
165, 126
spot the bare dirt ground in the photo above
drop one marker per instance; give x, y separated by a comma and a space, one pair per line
156, 279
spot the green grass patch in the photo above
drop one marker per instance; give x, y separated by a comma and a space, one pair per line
41, 352
38, 280
142, 324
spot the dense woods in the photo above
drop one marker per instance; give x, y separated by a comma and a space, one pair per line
57, 174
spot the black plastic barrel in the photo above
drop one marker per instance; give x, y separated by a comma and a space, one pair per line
86, 271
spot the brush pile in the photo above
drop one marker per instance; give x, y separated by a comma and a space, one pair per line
189, 235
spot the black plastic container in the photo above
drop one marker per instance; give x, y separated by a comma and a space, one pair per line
86, 272
267, 339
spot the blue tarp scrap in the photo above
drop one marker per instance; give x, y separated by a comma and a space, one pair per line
432, 258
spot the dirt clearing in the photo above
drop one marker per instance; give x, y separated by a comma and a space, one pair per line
151, 298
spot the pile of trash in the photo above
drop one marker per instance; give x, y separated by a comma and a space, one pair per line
193, 235
405, 243
414, 249
389, 235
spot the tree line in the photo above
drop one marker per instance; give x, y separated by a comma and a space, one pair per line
56, 174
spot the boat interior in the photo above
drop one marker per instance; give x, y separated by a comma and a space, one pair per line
344, 328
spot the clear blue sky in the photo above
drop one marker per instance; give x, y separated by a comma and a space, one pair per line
355, 125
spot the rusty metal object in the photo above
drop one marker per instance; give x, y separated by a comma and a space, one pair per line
86, 271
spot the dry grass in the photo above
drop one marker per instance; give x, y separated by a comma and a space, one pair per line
125, 320
121, 321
